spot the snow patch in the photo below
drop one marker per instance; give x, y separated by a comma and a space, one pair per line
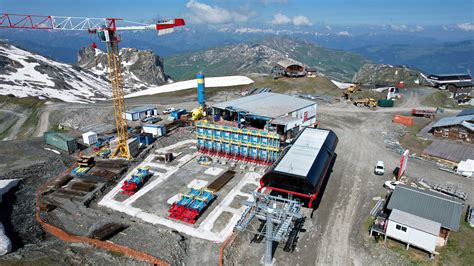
342, 85
214, 82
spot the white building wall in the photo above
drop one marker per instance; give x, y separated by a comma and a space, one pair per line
156, 131
310, 117
412, 236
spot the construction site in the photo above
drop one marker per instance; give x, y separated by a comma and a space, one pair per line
241, 176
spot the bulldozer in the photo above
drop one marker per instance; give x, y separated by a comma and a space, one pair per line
367, 102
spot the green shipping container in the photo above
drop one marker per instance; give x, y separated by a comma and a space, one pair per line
61, 141
385, 103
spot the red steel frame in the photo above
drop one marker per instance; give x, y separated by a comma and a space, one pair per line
26, 21
231, 156
311, 197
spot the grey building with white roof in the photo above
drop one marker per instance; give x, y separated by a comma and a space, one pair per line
280, 112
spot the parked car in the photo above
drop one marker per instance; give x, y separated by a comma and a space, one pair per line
379, 168
169, 110
151, 119
391, 184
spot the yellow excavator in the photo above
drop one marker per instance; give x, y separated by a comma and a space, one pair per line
350, 90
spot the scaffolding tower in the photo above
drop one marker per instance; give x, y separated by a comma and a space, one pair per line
281, 220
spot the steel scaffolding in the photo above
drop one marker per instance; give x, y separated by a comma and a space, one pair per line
281, 220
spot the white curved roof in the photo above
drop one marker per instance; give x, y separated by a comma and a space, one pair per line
288, 62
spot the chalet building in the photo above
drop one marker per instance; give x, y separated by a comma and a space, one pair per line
455, 128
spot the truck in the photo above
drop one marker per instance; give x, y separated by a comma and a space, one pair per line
428, 113
135, 182
367, 102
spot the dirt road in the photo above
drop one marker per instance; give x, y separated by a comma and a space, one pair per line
16, 128
43, 122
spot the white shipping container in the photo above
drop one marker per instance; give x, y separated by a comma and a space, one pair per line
89, 138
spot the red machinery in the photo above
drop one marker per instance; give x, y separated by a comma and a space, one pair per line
137, 180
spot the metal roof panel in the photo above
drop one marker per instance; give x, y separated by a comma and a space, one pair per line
430, 205
415, 221
266, 104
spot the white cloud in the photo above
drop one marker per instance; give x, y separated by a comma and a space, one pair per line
279, 19
203, 13
468, 26
301, 21
343, 33
406, 28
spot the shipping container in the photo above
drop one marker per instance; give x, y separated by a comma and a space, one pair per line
146, 138
404, 120
89, 138
61, 141
133, 146
385, 103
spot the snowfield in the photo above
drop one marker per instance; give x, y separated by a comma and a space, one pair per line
213, 82
26, 74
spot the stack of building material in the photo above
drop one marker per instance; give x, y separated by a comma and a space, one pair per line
220, 182
132, 144
85, 161
89, 138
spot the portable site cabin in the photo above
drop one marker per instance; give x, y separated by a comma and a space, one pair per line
89, 138
156, 130
61, 141
303, 166
413, 230
140, 112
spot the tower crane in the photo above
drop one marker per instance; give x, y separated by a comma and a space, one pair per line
107, 29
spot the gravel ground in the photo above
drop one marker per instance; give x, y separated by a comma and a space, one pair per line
335, 235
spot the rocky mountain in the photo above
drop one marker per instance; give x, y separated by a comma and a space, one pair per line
140, 68
23, 73
261, 56
388, 75
433, 58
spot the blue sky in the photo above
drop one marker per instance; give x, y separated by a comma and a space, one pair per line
268, 13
